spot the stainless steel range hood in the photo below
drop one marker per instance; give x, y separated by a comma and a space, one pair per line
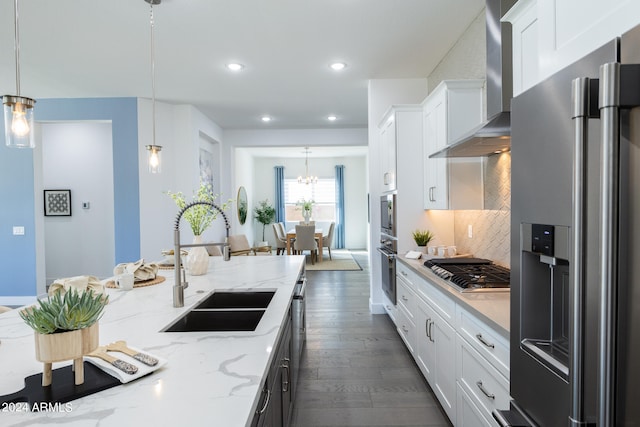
495, 134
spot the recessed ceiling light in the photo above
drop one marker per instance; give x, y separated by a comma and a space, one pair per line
332, 118
338, 66
265, 119
234, 66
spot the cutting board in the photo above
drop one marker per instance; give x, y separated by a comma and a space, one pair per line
62, 388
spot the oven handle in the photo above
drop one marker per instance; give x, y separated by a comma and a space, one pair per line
390, 256
303, 288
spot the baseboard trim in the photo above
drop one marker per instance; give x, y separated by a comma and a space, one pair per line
18, 301
376, 308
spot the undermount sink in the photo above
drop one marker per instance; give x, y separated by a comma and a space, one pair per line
237, 299
217, 321
224, 311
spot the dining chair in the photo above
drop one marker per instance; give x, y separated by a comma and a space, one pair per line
307, 223
239, 245
328, 239
281, 239
305, 240
214, 250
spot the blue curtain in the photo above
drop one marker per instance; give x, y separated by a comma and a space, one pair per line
339, 230
279, 193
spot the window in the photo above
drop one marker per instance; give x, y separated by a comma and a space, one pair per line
323, 193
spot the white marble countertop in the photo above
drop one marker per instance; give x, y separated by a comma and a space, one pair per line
211, 377
491, 307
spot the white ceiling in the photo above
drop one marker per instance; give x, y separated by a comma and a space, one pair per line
89, 48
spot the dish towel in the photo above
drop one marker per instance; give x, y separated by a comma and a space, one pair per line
140, 270
79, 283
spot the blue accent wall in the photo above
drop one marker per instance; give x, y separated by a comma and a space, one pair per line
17, 253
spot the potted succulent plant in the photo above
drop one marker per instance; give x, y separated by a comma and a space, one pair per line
422, 239
265, 214
66, 327
199, 218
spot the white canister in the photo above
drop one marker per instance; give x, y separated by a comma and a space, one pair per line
442, 251
452, 251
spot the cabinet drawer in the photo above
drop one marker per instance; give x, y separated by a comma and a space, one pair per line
441, 303
468, 414
485, 340
406, 329
407, 275
406, 299
482, 382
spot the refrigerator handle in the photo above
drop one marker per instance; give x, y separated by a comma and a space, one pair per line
581, 101
609, 104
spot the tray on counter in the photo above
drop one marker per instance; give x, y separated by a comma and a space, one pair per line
62, 388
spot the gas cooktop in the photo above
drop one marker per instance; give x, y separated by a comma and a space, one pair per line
471, 274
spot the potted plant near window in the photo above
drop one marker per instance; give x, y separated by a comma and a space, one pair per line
307, 208
265, 214
199, 218
422, 239
66, 327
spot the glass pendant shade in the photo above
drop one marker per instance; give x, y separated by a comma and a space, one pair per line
154, 152
154, 158
18, 121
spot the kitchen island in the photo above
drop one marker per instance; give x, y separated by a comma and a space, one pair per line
211, 378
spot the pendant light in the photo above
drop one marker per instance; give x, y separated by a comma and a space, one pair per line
308, 179
154, 152
18, 110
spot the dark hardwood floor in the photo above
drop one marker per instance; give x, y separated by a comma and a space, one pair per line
356, 370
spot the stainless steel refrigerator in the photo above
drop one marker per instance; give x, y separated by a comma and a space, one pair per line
575, 244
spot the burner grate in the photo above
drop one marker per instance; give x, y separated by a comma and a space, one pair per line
469, 275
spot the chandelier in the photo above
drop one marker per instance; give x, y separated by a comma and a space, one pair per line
308, 179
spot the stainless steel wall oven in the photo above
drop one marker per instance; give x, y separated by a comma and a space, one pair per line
388, 250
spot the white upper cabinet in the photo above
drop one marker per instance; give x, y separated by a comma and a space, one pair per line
523, 17
452, 109
549, 35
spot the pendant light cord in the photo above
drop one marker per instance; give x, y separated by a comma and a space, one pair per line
153, 77
17, 46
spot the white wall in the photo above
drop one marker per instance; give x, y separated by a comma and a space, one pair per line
355, 180
260, 185
181, 131
79, 157
295, 137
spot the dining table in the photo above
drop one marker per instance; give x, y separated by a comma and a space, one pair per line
291, 235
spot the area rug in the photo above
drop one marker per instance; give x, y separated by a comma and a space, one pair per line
341, 260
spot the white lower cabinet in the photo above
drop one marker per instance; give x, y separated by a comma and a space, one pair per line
405, 313
468, 413
486, 387
435, 348
464, 360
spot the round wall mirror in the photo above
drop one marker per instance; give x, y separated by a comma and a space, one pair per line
242, 205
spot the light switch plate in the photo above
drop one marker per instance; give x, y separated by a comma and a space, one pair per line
18, 230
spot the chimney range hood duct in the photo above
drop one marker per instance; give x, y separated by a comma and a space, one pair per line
495, 134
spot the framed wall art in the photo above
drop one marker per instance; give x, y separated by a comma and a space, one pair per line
57, 202
206, 167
